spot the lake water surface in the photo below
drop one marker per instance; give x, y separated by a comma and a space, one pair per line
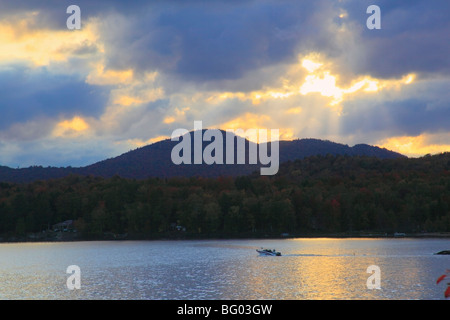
312, 269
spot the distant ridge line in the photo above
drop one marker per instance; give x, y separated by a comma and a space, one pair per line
154, 160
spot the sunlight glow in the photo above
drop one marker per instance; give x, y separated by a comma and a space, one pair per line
415, 146
310, 65
100, 76
20, 42
135, 93
296, 110
409, 78
323, 82
325, 85
70, 127
247, 121
255, 121
127, 100
138, 143
319, 79
169, 120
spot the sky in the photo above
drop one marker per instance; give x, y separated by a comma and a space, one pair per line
138, 70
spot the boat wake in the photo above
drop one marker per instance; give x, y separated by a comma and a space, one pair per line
305, 255
321, 255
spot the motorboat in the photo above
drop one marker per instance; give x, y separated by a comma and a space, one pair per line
268, 252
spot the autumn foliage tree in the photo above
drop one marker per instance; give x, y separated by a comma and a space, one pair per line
316, 195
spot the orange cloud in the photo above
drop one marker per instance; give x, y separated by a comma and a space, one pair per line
100, 76
255, 121
70, 128
320, 80
130, 91
21, 42
295, 110
141, 143
417, 146
169, 120
313, 74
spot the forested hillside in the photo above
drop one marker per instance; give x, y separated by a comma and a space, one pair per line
315, 195
154, 160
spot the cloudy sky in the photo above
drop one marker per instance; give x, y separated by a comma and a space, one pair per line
138, 70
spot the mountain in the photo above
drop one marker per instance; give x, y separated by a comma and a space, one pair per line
302, 148
155, 160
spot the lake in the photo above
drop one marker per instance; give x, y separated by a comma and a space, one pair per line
311, 269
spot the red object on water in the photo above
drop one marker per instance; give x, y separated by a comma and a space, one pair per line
441, 278
447, 292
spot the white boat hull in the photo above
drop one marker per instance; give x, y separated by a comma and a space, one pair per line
268, 253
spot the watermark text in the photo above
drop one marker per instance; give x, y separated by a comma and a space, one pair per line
213, 153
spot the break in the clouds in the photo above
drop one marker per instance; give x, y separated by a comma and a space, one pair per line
138, 70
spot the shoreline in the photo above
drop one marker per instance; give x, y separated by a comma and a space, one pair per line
70, 237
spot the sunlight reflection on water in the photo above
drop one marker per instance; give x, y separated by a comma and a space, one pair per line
228, 269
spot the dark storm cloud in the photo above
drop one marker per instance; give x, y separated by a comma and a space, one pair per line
402, 116
209, 40
414, 37
26, 95
52, 13
205, 41
208, 47
198, 40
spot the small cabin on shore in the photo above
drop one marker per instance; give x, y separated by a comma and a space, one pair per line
63, 226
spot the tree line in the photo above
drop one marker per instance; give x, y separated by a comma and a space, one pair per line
315, 195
